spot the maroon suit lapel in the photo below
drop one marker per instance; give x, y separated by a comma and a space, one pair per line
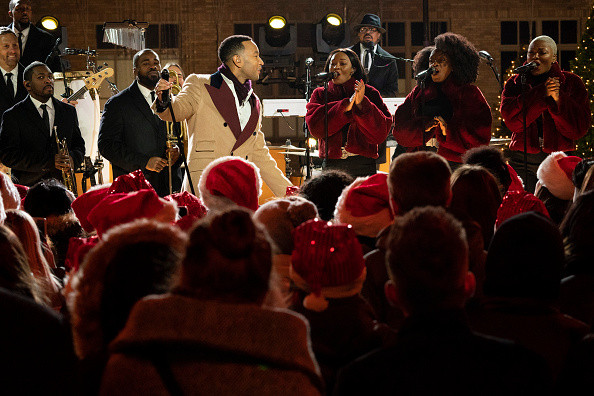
224, 101
250, 127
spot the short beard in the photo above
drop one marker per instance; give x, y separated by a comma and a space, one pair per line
147, 81
368, 44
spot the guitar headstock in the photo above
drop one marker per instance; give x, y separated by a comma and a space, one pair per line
95, 80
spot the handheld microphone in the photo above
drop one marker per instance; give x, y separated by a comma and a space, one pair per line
423, 75
486, 56
526, 68
165, 97
325, 76
309, 62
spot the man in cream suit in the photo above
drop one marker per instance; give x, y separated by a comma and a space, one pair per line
224, 114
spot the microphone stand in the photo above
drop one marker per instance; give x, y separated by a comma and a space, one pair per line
422, 85
524, 116
305, 127
50, 57
326, 119
177, 131
497, 75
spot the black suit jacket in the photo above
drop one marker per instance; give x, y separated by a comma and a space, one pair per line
383, 74
8, 100
27, 148
38, 46
130, 134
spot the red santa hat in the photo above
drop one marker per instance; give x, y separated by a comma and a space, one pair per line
195, 207
365, 204
83, 205
230, 180
555, 174
123, 208
133, 181
327, 262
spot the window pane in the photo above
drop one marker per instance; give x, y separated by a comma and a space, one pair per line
243, 28
525, 32
416, 33
566, 57
509, 32
395, 34
551, 29
401, 64
256, 36
507, 57
569, 34
169, 36
99, 35
151, 36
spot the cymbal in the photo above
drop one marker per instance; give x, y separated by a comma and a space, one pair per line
301, 153
290, 147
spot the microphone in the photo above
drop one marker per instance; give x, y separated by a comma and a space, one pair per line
309, 62
526, 68
165, 97
486, 56
423, 75
325, 76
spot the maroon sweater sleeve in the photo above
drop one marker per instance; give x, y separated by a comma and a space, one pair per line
512, 104
373, 119
408, 128
572, 114
337, 118
473, 121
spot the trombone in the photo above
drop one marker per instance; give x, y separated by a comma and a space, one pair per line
172, 139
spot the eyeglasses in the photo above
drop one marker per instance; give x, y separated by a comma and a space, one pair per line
365, 29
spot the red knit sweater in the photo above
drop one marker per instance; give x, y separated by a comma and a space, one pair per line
367, 127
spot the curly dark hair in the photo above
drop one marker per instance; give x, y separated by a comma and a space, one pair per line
462, 55
355, 61
421, 59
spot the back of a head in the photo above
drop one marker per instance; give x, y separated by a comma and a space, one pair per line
475, 194
491, 159
9, 194
324, 190
525, 259
15, 273
427, 259
48, 198
228, 258
577, 230
419, 179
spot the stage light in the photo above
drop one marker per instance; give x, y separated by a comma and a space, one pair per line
49, 23
334, 19
277, 22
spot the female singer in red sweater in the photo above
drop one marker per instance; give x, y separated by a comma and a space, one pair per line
449, 108
358, 119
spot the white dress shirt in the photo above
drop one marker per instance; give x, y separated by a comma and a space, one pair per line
51, 112
244, 110
363, 49
24, 35
146, 93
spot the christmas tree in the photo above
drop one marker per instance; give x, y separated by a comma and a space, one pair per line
582, 66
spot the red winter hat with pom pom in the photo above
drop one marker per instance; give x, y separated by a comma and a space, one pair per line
327, 261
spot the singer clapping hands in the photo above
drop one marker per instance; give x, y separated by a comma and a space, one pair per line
358, 119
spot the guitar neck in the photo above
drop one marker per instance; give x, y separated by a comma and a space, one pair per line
78, 94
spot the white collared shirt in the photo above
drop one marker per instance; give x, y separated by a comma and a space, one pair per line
244, 110
50, 111
24, 35
146, 93
14, 76
363, 49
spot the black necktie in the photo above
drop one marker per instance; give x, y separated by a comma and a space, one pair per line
9, 85
45, 117
152, 96
367, 65
20, 35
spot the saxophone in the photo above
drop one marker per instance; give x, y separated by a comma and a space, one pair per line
67, 176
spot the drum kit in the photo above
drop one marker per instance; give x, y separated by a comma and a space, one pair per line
288, 150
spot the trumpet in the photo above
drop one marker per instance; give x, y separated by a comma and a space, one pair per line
172, 138
67, 175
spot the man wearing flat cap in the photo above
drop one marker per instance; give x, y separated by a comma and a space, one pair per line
380, 65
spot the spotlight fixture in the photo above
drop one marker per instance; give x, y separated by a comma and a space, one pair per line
334, 19
331, 33
49, 23
277, 22
277, 37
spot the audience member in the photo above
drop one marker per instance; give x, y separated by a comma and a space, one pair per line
328, 271
324, 189
280, 217
211, 335
579, 173
523, 276
435, 351
365, 205
131, 261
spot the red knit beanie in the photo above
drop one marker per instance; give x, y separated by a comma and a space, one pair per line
123, 208
365, 204
327, 261
230, 179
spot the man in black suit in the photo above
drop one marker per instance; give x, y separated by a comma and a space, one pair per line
12, 89
131, 136
380, 65
35, 44
27, 140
